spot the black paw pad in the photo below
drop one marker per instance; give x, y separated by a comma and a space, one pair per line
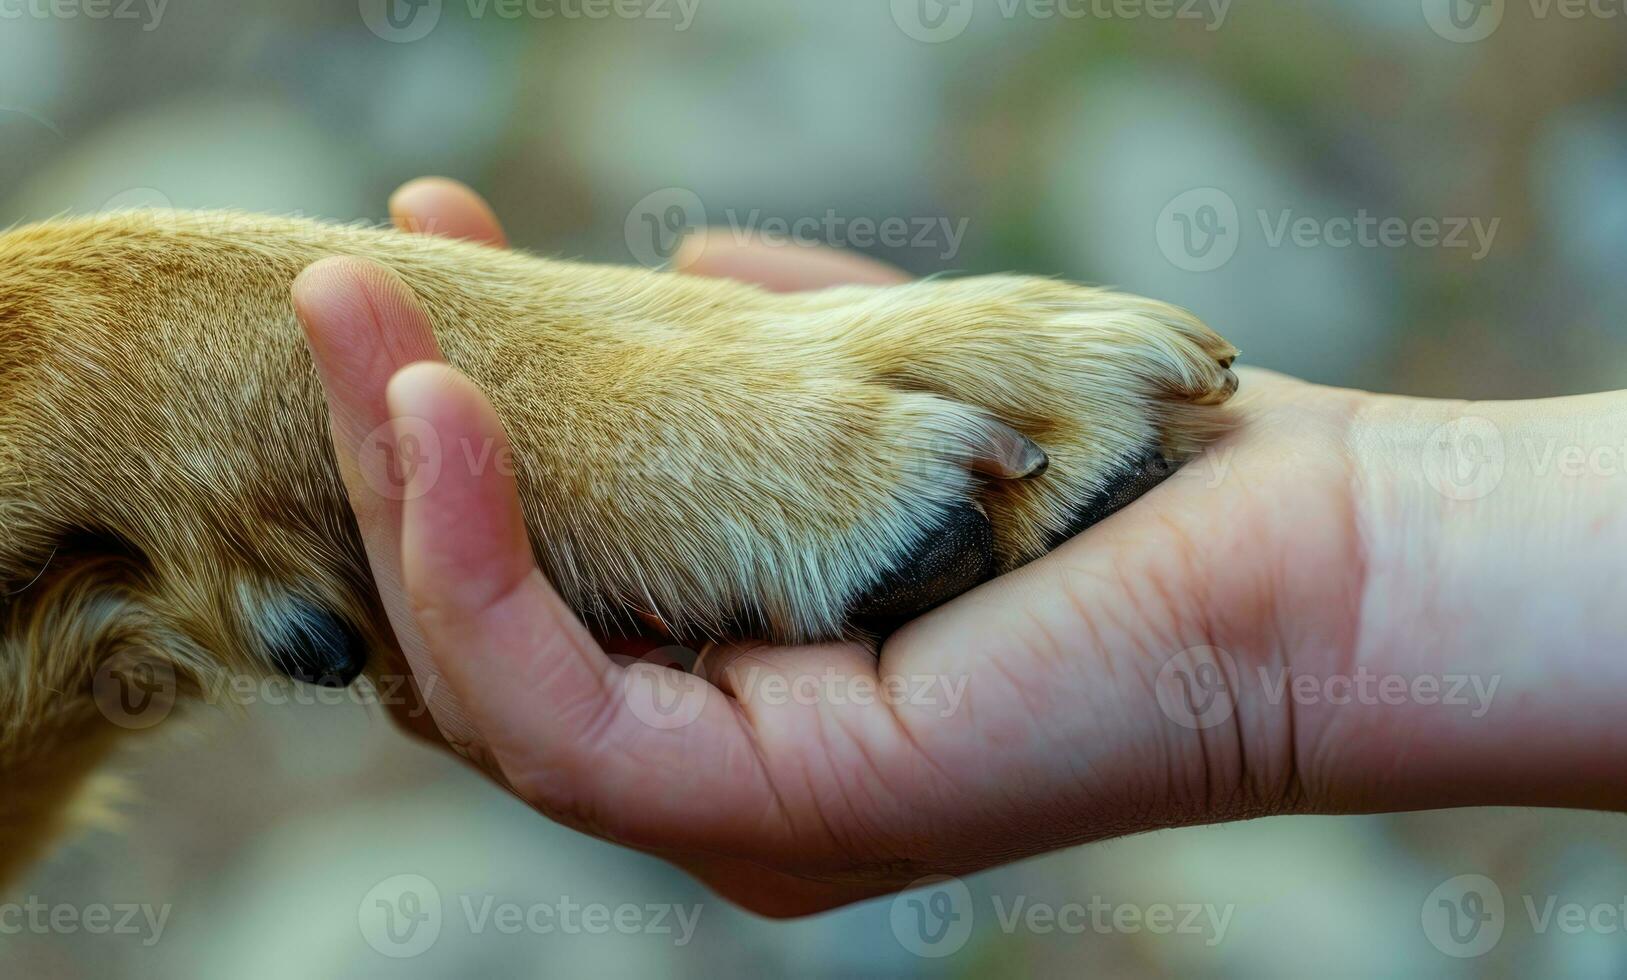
311, 645
953, 559
1123, 489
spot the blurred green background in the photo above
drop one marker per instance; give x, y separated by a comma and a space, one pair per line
1169, 147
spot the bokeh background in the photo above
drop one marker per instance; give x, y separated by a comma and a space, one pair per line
1157, 145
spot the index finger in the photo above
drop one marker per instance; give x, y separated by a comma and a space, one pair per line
446, 208
780, 267
363, 324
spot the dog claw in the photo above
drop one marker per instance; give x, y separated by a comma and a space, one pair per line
1006, 454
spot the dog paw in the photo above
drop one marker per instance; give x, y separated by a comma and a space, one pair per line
1115, 390
930, 436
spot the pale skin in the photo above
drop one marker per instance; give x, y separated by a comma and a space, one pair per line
1310, 543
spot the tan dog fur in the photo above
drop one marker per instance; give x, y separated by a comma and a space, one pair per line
696, 451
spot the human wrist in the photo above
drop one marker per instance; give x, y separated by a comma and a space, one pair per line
1495, 537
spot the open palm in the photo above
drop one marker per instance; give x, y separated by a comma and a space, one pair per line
1119, 684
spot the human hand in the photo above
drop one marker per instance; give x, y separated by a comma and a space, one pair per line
1129, 680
